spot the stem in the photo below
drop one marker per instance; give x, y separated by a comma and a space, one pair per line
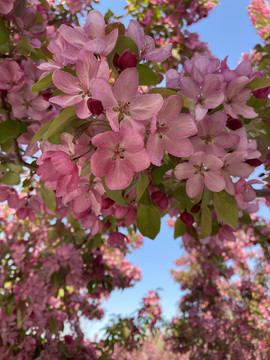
262, 193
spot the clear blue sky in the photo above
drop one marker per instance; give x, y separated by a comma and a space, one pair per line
228, 32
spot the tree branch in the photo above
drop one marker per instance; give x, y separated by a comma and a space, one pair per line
262, 192
19, 159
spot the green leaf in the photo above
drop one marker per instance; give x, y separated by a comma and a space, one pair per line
9, 308
4, 32
207, 197
141, 186
146, 75
42, 84
19, 318
179, 228
148, 220
258, 83
10, 178
164, 92
9, 129
108, 15
52, 324
48, 196
262, 147
159, 172
39, 134
226, 208
117, 25
206, 222
115, 195
245, 218
64, 121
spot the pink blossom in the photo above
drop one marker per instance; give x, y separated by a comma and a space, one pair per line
118, 156
212, 137
205, 96
91, 37
11, 75
123, 107
146, 44
78, 88
58, 172
201, 169
6, 6
170, 131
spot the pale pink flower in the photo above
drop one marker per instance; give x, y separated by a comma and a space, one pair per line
26, 104
11, 76
212, 137
170, 131
78, 88
205, 96
146, 44
236, 96
123, 107
118, 156
90, 37
202, 169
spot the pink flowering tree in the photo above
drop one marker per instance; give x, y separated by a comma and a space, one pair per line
95, 151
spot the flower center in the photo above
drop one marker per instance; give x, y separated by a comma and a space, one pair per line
118, 152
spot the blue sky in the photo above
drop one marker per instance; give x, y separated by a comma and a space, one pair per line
229, 32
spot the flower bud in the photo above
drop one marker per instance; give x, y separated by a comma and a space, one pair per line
47, 95
196, 208
234, 124
187, 218
262, 93
95, 106
125, 60
254, 162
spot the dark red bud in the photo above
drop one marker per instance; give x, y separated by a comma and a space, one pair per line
95, 106
262, 174
107, 225
125, 60
187, 218
106, 203
262, 93
115, 60
47, 95
234, 124
3, 92
196, 208
68, 339
254, 162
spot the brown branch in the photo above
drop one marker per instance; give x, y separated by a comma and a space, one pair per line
19, 159
262, 192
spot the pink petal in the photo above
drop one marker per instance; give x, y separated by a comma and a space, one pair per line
119, 175
159, 55
66, 100
145, 106
180, 147
139, 160
73, 36
195, 186
183, 127
214, 181
62, 163
171, 109
95, 24
136, 33
155, 149
126, 86
101, 90
66, 82
86, 68
184, 171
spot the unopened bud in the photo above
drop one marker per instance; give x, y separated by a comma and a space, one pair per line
234, 124
125, 60
187, 218
262, 93
196, 208
95, 106
47, 95
254, 162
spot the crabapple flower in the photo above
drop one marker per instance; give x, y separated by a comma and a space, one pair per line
212, 137
205, 96
146, 44
78, 88
236, 96
58, 172
122, 104
170, 131
118, 156
202, 169
11, 75
234, 165
26, 104
91, 37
